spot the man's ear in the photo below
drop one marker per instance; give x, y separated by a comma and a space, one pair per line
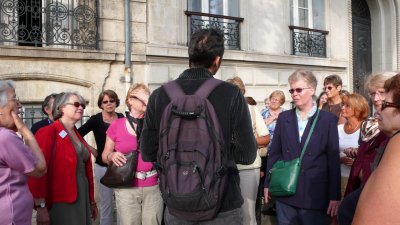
339, 87
215, 65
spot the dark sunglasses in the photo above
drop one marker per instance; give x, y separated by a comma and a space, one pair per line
327, 88
77, 104
108, 101
386, 104
297, 90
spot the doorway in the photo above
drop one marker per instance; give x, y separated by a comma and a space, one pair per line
362, 53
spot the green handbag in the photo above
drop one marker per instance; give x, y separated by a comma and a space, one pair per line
284, 174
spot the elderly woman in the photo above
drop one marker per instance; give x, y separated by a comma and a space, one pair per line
17, 160
270, 116
108, 101
142, 203
333, 87
372, 141
380, 199
66, 193
355, 110
318, 187
250, 174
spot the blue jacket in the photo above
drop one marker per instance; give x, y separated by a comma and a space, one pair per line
319, 179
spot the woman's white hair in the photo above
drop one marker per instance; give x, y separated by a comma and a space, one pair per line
5, 85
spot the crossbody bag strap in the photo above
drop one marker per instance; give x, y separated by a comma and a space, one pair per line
131, 120
309, 136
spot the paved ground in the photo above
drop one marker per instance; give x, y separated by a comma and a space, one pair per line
266, 220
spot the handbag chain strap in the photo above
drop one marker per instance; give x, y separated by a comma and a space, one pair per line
309, 135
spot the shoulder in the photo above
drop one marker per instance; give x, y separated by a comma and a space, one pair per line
120, 115
287, 113
7, 134
328, 116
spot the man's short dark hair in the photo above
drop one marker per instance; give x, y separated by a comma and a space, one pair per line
47, 101
204, 46
333, 79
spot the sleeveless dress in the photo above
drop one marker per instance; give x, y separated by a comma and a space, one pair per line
77, 213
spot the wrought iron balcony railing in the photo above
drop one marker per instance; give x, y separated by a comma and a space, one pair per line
40, 23
309, 42
229, 25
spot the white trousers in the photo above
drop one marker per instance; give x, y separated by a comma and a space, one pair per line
249, 180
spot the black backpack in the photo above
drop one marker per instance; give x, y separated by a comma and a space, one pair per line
191, 159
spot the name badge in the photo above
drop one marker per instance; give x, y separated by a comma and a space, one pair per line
63, 134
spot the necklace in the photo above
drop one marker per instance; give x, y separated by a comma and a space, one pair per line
348, 127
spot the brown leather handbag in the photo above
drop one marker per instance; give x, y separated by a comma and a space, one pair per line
121, 176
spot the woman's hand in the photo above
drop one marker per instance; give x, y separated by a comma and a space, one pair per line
95, 210
42, 216
351, 152
346, 160
19, 124
117, 158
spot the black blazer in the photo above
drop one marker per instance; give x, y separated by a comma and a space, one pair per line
319, 179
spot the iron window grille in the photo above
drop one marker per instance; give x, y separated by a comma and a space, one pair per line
308, 42
56, 23
229, 25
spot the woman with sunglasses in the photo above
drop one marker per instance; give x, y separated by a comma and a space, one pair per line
66, 194
108, 101
141, 203
380, 199
371, 141
318, 187
332, 88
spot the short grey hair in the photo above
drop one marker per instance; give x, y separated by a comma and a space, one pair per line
61, 100
305, 75
5, 85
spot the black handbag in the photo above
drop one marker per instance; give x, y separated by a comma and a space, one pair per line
122, 176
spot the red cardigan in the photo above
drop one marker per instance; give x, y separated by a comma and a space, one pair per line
59, 184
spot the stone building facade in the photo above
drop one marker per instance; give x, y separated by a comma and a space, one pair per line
266, 42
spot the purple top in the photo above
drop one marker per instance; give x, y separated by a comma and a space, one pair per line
125, 143
16, 159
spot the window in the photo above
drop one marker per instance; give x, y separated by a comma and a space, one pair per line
32, 113
55, 23
307, 24
219, 7
308, 13
220, 14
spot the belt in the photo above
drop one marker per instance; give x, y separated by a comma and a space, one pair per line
144, 175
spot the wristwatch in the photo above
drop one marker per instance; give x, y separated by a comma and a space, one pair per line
41, 205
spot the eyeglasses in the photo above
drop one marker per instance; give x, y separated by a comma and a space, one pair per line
329, 88
298, 90
377, 93
108, 101
77, 104
386, 104
13, 99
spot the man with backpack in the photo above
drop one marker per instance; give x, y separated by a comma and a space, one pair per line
196, 128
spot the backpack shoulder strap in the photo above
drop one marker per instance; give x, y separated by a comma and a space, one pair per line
207, 87
173, 90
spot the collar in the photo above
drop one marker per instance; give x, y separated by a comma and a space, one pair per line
309, 114
195, 73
